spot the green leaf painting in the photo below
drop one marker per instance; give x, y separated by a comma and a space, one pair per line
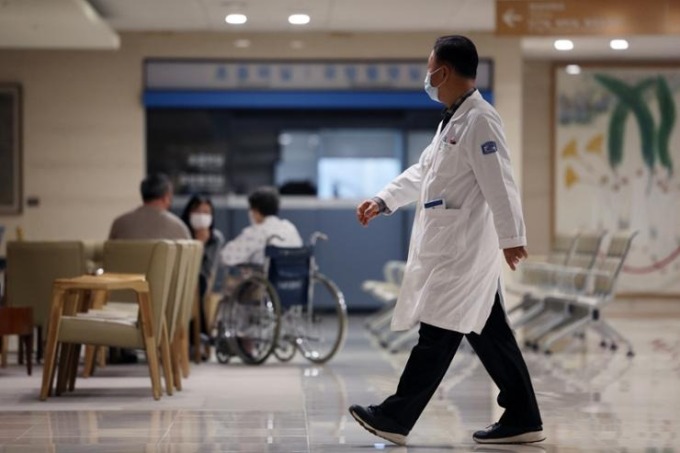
617, 125
667, 109
654, 141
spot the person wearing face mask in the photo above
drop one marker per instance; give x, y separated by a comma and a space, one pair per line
265, 227
467, 209
198, 216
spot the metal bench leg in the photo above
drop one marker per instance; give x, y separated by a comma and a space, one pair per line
401, 340
607, 330
380, 322
531, 313
566, 330
545, 324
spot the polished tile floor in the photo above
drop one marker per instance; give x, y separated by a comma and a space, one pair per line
592, 400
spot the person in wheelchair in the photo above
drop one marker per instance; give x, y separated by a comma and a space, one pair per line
266, 228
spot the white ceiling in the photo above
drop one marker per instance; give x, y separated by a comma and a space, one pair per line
54, 24
326, 15
79, 24
597, 48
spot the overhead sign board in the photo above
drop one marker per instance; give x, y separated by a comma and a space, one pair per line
587, 17
337, 75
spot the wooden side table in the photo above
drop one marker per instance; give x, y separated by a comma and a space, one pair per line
18, 321
67, 300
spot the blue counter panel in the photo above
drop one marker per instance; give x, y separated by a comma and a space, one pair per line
292, 99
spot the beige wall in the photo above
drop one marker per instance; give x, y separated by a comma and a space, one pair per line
536, 151
84, 140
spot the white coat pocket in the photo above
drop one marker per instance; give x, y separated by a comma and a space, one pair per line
444, 232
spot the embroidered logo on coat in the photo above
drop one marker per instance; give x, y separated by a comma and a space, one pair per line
489, 148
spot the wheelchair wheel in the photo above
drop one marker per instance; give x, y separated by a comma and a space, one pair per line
222, 349
285, 350
321, 325
254, 320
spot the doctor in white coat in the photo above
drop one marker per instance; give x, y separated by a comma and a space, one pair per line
467, 209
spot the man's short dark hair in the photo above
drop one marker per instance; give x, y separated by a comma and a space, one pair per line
155, 186
265, 200
458, 52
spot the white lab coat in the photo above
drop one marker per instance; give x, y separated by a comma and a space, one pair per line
248, 247
454, 263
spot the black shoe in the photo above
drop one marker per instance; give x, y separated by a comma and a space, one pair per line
123, 357
501, 434
370, 418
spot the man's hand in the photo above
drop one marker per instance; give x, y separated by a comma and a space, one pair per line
367, 211
514, 255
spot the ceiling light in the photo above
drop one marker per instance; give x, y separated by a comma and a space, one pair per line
242, 43
618, 44
573, 69
236, 19
298, 19
564, 44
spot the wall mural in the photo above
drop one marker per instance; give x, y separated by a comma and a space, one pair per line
617, 165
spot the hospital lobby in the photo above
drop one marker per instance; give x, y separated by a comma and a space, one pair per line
221, 225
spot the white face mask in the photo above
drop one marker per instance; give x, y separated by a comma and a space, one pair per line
431, 91
200, 221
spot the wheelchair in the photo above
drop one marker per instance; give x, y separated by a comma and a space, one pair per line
281, 308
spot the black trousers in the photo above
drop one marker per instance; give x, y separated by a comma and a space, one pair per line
496, 347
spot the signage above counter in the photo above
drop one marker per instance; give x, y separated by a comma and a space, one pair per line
587, 18
254, 75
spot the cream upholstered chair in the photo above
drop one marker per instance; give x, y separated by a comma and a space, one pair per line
188, 250
31, 269
185, 258
157, 259
190, 298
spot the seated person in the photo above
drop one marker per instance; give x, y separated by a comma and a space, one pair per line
152, 220
199, 217
248, 247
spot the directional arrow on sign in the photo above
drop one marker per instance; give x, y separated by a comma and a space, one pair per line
511, 18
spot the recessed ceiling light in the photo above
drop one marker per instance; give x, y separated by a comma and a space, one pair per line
298, 19
573, 69
242, 43
236, 19
618, 44
564, 44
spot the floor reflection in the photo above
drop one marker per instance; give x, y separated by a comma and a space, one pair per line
591, 399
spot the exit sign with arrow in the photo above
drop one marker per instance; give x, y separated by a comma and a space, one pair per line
587, 17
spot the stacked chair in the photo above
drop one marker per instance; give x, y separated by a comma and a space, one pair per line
190, 299
31, 269
386, 292
539, 281
73, 289
119, 256
568, 299
561, 296
99, 327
